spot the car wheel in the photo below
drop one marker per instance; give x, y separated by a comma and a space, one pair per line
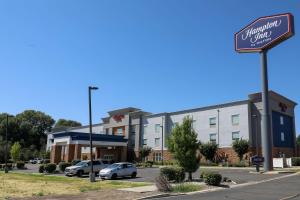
133, 175
114, 176
79, 173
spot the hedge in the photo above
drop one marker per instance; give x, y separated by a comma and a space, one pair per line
296, 161
176, 174
63, 165
41, 169
20, 164
50, 167
212, 178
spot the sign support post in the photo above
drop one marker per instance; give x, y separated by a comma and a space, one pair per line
265, 116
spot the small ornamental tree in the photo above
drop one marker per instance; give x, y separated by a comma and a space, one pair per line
15, 151
208, 150
144, 152
183, 144
241, 147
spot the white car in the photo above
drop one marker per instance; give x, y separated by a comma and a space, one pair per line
36, 161
123, 169
84, 167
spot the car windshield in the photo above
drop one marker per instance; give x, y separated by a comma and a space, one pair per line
113, 166
81, 163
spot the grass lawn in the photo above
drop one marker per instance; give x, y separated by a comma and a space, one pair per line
26, 185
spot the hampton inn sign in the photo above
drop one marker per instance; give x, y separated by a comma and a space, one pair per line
260, 36
264, 33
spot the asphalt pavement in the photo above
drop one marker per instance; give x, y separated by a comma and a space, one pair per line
287, 188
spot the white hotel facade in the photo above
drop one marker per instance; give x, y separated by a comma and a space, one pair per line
121, 135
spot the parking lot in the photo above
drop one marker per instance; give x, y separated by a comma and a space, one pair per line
238, 175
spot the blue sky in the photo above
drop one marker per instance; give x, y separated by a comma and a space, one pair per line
157, 55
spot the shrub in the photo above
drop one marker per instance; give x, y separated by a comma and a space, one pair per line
213, 179
148, 163
20, 164
296, 161
50, 167
144, 152
239, 164
208, 150
63, 165
241, 147
74, 162
176, 174
41, 169
162, 184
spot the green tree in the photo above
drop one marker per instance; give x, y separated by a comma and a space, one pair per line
66, 123
183, 144
144, 152
241, 147
15, 151
298, 140
33, 125
208, 150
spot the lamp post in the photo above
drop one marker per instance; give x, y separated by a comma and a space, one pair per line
92, 175
6, 132
218, 127
162, 141
256, 132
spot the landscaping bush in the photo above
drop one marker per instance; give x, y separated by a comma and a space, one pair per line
74, 162
296, 161
176, 174
186, 187
239, 164
50, 167
41, 169
63, 165
148, 163
213, 178
20, 164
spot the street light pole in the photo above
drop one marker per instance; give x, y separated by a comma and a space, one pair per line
162, 141
6, 132
92, 175
218, 127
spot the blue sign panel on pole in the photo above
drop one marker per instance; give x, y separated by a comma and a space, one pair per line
264, 33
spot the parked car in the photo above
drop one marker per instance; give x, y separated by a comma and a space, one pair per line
36, 161
84, 167
123, 169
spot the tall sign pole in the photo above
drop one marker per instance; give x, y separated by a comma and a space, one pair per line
260, 36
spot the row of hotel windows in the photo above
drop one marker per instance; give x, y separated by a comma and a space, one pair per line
235, 120
156, 142
213, 136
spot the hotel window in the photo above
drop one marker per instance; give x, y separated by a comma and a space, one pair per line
212, 122
194, 124
281, 120
107, 131
235, 135
144, 142
157, 128
235, 119
145, 129
119, 131
157, 157
213, 137
282, 137
157, 142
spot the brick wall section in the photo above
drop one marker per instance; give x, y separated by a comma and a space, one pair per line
289, 152
77, 152
55, 154
70, 153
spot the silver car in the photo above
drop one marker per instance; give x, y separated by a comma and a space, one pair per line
123, 169
84, 167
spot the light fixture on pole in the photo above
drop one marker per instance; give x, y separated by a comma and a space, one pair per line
6, 133
162, 141
92, 174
